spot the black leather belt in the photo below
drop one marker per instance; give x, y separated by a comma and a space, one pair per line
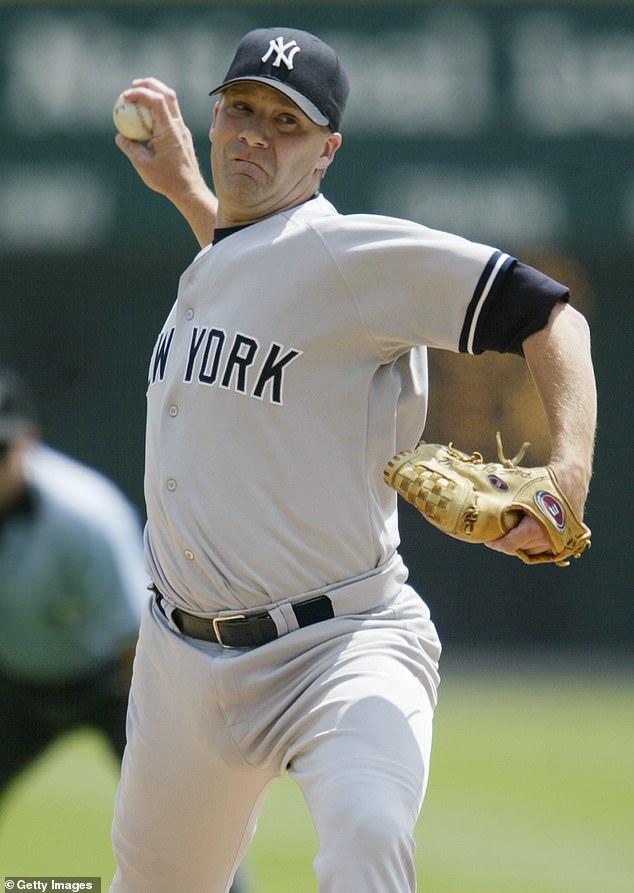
248, 629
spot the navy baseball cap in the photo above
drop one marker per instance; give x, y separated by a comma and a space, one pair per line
17, 406
299, 65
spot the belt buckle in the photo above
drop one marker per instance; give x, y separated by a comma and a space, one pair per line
216, 621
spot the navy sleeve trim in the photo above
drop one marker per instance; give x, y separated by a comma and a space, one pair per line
512, 306
497, 264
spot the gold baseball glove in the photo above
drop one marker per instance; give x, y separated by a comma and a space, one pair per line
476, 501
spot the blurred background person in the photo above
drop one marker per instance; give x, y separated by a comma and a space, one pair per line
72, 581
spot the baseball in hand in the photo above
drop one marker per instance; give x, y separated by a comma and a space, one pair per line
132, 120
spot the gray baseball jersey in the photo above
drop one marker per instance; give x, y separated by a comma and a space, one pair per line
289, 370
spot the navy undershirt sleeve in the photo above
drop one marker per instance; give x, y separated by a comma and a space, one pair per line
519, 305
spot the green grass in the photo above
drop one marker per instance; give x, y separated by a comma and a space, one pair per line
532, 791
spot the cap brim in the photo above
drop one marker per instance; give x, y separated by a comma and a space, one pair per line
307, 107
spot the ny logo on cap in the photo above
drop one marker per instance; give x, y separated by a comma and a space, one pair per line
280, 48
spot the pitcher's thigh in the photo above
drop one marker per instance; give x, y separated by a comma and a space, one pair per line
364, 772
187, 801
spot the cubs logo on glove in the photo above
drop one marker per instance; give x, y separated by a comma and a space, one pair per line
476, 501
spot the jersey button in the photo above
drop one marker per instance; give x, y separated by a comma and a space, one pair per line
171, 484
189, 554
173, 411
189, 313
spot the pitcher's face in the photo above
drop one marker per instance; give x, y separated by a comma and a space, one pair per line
266, 155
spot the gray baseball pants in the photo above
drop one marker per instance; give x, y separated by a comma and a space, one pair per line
344, 706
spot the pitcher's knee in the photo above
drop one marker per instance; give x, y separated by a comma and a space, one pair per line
370, 847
